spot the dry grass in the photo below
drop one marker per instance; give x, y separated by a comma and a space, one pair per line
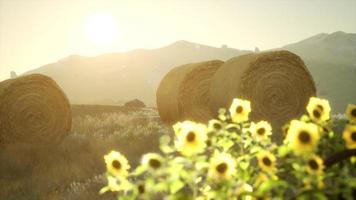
74, 168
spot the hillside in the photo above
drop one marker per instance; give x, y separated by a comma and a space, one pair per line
118, 77
331, 58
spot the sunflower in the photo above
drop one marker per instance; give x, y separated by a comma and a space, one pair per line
192, 139
351, 112
215, 125
315, 165
221, 167
177, 127
239, 110
349, 136
116, 164
152, 161
318, 109
261, 130
266, 161
302, 137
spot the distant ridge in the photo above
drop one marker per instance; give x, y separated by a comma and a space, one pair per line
331, 59
115, 78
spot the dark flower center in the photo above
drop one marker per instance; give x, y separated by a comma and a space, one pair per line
353, 112
208, 142
141, 189
221, 168
320, 107
116, 164
304, 137
261, 131
217, 126
316, 113
313, 164
191, 136
353, 136
267, 161
154, 163
239, 109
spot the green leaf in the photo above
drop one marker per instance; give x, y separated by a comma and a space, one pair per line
271, 184
139, 170
160, 187
176, 186
283, 150
244, 165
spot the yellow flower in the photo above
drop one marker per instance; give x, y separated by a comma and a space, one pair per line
315, 165
318, 109
349, 136
239, 110
261, 130
221, 167
267, 161
215, 125
152, 161
302, 137
116, 164
351, 112
177, 127
192, 138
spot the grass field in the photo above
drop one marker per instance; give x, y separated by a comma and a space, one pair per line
74, 168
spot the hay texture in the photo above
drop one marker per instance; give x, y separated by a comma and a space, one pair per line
33, 109
278, 84
183, 92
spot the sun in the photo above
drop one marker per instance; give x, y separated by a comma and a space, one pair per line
101, 29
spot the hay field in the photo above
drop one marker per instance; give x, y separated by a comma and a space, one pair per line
73, 169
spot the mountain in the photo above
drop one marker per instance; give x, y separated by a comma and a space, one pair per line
118, 77
331, 58
115, 78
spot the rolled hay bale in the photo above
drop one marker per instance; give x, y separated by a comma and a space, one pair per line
33, 109
278, 84
183, 92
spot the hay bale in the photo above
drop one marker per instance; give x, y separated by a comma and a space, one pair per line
182, 93
33, 109
278, 84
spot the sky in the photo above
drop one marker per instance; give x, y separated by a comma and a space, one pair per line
37, 32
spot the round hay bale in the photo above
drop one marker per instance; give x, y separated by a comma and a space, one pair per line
33, 109
183, 92
278, 84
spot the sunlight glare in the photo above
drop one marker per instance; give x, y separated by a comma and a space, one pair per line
101, 29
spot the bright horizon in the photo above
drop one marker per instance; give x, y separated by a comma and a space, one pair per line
37, 32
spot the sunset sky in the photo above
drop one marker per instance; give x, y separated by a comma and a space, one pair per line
38, 32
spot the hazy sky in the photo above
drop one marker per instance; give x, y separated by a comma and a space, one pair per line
37, 32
